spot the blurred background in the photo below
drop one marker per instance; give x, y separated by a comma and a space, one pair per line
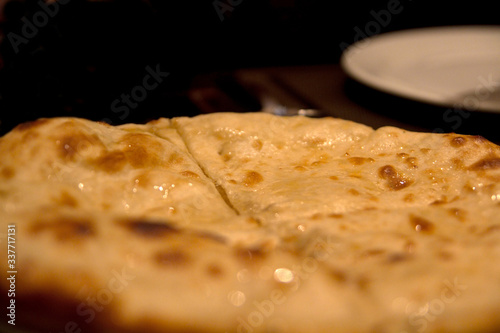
83, 58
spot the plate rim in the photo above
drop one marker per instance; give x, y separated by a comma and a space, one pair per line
380, 83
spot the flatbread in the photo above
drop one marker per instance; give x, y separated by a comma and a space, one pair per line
285, 168
138, 170
250, 223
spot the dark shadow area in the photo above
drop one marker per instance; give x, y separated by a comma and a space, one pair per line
431, 118
108, 60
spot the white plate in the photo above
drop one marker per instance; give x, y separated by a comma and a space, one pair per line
456, 66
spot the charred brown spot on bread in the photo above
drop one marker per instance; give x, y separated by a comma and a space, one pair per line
338, 275
411, 162
410, 197
149, 229
363, 282
141, 157
142, 180
7, 172
31, 124
190, 174
387, 172
488, 163
421, 225
394, 180
65, 229
172, 258
257, 144
252, 178
111, 162
425, 150
458, 163
360, 160
77, 144
335, 215
316, 216
175, 158
397, 257
458, 141
106, 206
141, 149
250, 254
66, 199
214, 270
353, 192
333, 178
300, 168
253, 220
227, 157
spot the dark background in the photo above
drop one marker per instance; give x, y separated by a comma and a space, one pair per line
91, 52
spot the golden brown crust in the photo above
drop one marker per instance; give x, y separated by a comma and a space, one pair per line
250, 223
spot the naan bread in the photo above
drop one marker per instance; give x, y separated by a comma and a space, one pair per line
251, 223
288, 168
137, 170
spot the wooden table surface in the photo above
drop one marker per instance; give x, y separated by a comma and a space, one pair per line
320, 87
